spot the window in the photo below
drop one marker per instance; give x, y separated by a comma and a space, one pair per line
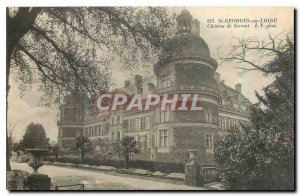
222, 123
137, 124
164, 116
143, 123
98, 129
166, 83
85, 133
95, 130
101, 129
115, 120
131, 125
112, 136
208, 117
147, 123
118, 136
152, 141
161, 116
163, 138
138, 141
227, 123
209, 141
131, 156
146, 141
106, 128
232, 123
235, 123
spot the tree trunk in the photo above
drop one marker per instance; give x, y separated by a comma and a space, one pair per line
126, 161
8, 168
56, 157
82, 155
16, 28
9, 50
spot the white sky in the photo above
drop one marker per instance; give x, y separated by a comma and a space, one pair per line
25, 110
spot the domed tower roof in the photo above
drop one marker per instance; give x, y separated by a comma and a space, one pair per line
187, 42
188, 45
184, 11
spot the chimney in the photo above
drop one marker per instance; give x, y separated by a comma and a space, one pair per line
138, 83
127, 83
238, 87
217, 76
150, 86
196, 28
138, 80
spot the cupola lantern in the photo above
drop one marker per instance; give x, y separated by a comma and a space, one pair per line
184, 21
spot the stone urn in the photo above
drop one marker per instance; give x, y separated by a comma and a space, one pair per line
193, 154
36, 158
37, 181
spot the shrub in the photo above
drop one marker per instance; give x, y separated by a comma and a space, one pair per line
165, 167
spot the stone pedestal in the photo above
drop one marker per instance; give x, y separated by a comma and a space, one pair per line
192, 171
37, 182
15, 180
192, 177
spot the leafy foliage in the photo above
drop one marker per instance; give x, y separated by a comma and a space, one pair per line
261, 157
56, 150
83, 144
35, 137
69, 50
66, 50
17, 146
125, 147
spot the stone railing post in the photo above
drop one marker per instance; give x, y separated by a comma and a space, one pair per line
192, 170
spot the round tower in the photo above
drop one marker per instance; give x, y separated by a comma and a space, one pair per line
186, 67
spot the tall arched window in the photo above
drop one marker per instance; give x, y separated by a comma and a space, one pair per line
208, 117
118, 136
112, 136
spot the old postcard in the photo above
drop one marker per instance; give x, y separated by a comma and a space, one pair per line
150, 98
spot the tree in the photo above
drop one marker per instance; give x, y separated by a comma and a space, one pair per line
83, 144
35, 137
17, 146
67, 50
10, 143
262, 156
125, 147
56, 150
64, 49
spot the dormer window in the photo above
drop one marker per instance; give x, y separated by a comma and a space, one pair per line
166, 83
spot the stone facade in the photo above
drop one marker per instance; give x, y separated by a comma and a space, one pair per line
185, 68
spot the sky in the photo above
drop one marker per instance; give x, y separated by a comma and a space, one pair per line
24, 110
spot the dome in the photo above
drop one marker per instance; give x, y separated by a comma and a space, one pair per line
184, 11
187, 45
